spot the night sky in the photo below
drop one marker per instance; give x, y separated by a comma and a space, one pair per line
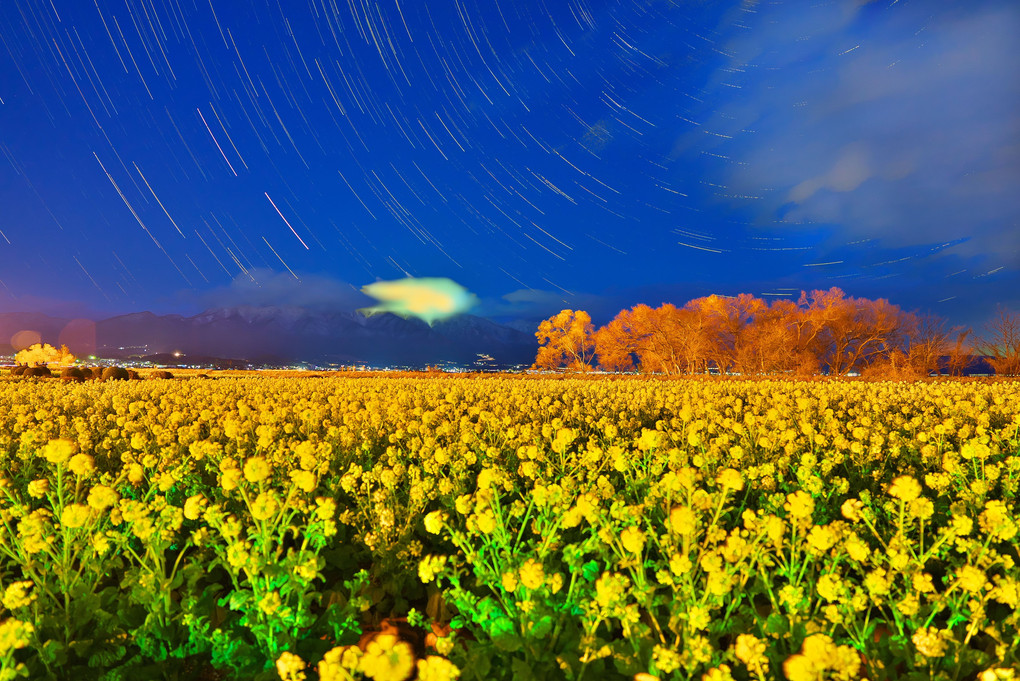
177, 155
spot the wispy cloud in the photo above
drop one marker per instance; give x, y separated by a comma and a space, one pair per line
266, 287
895, 121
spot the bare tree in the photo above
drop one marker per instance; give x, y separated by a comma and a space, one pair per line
959, 353
1001, 343
929, 341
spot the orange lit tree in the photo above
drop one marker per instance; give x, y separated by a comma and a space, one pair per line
566, 339
42, 354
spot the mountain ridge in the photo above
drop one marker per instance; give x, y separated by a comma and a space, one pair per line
290, 334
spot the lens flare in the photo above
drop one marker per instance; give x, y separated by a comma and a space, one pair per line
428, 299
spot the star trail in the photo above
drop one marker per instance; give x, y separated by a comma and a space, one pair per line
175, 155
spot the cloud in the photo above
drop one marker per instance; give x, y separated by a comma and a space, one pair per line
427, 298
533, 305
268, 288
898, 121
56, 307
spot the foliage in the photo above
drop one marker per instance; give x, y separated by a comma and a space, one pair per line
566, 339
42, 354
823, 331
527, 529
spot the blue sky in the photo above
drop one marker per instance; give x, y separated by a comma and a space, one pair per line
174, 156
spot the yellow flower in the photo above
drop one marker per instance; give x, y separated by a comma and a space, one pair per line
819, 653
434, 521
877, 583
829, 587
775, 528
429, 567
633, 539
820, 539
270, 603
791, 596
995, 520
909, 605
1006, 591
136, 473
74, 515
650, 439
82, 465
962, 524
720, 673
264, 506
290, 667
485, 479
751, 651
666, 660
921, 508
683, 520
610, 588
330, 668
997, 674
802, 668
699, 618
238, 555
931, 642
905, 488
463, 504
971, 579
857, 549
486, 521
58, 451
307, 570
922, 583
435, 668
799, 504
102, 497
851, 510
680, 565
256, 469
531, 574
100, 544
509, 581
325, 508
305, 481
730, 479
387, 658
14, 635
193, 507
37, 489
18, 595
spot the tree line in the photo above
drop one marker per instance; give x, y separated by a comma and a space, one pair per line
822, 332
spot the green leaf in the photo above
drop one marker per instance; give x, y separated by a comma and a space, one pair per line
542, 627
106, 656
775, 624
590, 571
236, 600
53, 653
503, 635
521, 670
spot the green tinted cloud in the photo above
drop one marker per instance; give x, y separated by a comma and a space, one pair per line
428, 298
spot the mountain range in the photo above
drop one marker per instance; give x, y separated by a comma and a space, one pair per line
281, 335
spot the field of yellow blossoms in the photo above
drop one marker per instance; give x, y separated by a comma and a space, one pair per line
506, 528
